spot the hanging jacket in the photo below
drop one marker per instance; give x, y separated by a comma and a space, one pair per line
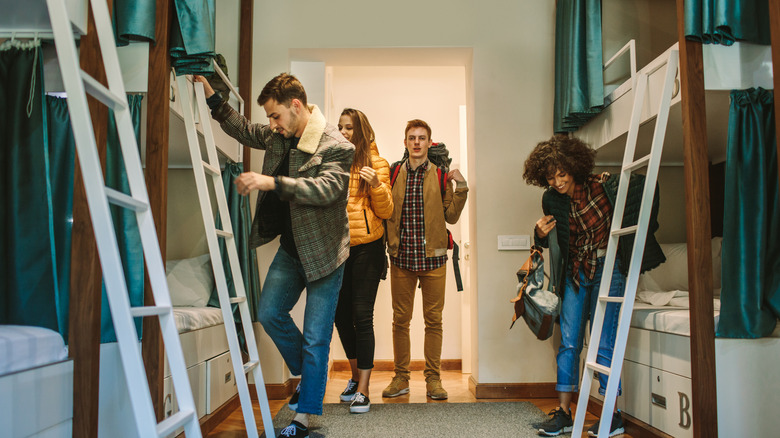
366, 213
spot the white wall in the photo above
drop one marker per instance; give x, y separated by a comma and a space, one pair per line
509, 94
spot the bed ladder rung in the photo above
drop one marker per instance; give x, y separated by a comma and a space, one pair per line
249, 366
612, 299
175, 421
638, 164
598, 367
625, 231
225, 234
138, 312
236, 300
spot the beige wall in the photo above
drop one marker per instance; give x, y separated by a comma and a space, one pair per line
509, 95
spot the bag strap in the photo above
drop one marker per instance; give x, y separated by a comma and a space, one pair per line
555, 260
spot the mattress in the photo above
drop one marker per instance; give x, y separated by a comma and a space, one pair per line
195, 318
24, 347
673, 319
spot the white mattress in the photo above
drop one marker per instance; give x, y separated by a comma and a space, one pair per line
672, 319
24, 347
194, 318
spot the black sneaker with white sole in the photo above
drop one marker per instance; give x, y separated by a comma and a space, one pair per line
616, 428
349, 391
559, 422
360, 404
293, 403
295, 430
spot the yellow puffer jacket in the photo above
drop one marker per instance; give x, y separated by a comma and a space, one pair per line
367, 212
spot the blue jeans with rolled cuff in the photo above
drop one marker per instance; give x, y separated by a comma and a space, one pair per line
305, 353
578, 307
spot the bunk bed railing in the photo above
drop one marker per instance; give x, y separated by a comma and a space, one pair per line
629, 84
234, 92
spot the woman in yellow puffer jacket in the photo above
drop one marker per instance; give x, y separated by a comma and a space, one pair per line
370, 202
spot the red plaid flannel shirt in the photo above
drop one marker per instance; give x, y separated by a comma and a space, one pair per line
589, 224
411, 248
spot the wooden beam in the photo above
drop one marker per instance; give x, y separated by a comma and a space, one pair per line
705, 402
85, 272
157, 121
774, 25
245, 67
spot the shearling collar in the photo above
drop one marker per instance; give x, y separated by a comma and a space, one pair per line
312, 133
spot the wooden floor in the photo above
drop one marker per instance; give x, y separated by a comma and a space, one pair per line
456, 384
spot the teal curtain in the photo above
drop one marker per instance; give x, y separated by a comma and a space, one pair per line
750, 295
134, 20
193, 37
125, 225
62, 153
579, 75
30, 285
726, 21
241, 220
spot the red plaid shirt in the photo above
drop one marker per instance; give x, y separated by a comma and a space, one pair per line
411, 248
589, 224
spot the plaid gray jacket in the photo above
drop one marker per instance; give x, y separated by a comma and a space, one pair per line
317, 188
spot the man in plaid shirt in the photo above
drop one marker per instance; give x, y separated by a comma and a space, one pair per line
417, 242
303, 198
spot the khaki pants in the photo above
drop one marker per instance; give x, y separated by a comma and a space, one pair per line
403, 284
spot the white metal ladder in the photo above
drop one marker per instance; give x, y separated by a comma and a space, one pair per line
211, 166
652, 162
76, 83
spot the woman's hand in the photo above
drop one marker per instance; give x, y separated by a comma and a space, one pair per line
369, 175
544, 225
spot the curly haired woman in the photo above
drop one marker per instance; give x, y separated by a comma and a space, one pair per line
370, 201
582, 204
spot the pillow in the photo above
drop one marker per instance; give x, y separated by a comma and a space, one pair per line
673, 274
190, 281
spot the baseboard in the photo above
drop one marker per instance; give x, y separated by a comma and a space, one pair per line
512, 390
635, 428
389, 365
276, 391
212, 420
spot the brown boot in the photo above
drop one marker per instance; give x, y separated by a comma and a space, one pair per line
435, 390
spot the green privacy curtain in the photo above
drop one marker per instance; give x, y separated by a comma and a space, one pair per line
30, 286
193, 37
241, 220
579, 77
134, 20
750, 297
727, 21
125, 226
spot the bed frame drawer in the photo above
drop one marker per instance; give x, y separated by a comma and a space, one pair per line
221, 382
197, 376
671, 403
663, 351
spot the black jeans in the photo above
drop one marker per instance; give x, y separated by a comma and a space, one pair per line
355, 310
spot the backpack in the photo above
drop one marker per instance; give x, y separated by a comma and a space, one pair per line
441, 175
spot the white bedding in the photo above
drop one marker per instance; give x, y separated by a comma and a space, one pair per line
24, 347
672, 318
194, 318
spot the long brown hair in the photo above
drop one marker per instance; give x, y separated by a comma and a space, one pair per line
362, 137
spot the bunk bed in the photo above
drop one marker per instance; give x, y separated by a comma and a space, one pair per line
669, 378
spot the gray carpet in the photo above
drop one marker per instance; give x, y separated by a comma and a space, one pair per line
488, 419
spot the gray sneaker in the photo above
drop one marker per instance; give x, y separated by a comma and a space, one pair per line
559, 422
616, 428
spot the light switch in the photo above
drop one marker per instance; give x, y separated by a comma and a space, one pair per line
514, 242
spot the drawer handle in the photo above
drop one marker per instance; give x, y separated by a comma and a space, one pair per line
228, 377
658, 400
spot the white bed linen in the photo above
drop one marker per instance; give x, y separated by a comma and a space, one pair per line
673, 319
194, 318
24, 347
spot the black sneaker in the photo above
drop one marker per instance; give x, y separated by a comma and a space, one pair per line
295, 430
559, 422
350, 391
293, 403
616, 428
360, 404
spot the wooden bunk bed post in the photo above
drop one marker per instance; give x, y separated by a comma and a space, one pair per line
86, 275
774, 25
157, 121
245, 68
704, 406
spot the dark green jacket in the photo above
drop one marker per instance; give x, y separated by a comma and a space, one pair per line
558, 205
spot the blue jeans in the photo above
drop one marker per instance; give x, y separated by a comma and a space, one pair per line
306, 354
574, 315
